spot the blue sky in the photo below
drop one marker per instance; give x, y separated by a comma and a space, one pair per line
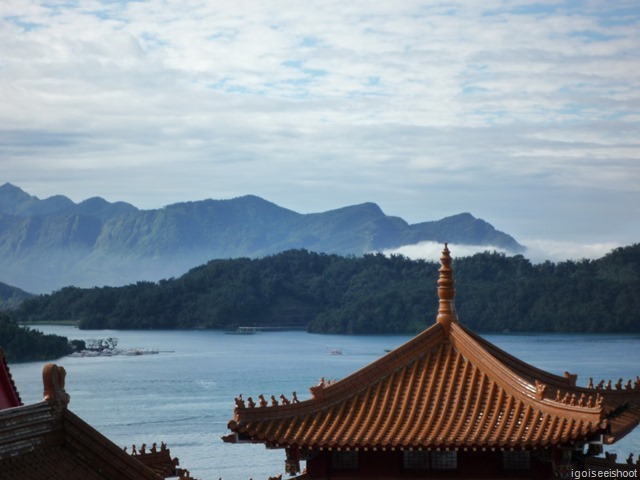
525, 114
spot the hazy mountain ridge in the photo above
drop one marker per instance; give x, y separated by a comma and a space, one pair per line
17, 202
11, 297
51, 243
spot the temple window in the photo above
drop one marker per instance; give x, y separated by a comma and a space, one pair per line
346, 460
416, 460
444, 460
516, 460
422, 460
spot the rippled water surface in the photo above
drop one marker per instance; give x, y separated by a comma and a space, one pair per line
184, 395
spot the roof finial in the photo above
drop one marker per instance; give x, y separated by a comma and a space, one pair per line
446, 291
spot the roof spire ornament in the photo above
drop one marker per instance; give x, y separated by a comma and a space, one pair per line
446, 291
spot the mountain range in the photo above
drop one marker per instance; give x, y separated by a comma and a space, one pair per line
54, 242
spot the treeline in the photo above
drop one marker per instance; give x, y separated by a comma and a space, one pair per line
369, 294
22, 344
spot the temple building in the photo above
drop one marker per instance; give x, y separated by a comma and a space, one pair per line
446, 404
47, 441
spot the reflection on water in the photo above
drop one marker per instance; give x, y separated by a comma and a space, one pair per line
184, 395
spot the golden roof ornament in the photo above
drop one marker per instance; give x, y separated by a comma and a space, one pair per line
446, 291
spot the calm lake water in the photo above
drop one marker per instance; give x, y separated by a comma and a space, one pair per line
184, 396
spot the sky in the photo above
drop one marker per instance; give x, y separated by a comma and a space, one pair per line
524, 113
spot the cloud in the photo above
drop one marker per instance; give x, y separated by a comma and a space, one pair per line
388, 102
433, 250
557, 251
537, 251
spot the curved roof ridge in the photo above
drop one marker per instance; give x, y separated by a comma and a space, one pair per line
566, 382
356, 382
389, 363
531, 390
523, 368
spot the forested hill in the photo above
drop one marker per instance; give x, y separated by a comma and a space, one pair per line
370, 294
27, 345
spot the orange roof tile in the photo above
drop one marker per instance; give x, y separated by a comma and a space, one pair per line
445, 388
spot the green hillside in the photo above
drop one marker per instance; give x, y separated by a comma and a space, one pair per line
369, 294
24, 344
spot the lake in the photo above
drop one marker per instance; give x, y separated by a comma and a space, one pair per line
184, 395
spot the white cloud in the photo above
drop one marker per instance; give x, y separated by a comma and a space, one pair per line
537, 250
433, 250
398, 98
556, 251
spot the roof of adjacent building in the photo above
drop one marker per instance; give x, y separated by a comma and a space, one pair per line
446, 388
9, 396
47, 441
159, 460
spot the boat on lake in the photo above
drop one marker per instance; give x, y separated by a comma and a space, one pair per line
243, 331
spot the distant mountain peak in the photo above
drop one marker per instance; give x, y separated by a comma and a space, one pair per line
9, 187
15, 201
10, 194
369, 208
462, 216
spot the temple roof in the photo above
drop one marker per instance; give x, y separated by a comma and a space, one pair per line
445, 388
9, 396
37, 443
47, 441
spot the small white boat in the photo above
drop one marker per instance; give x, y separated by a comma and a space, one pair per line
243, 331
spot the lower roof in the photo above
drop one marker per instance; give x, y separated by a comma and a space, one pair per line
47, 441
38, 442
